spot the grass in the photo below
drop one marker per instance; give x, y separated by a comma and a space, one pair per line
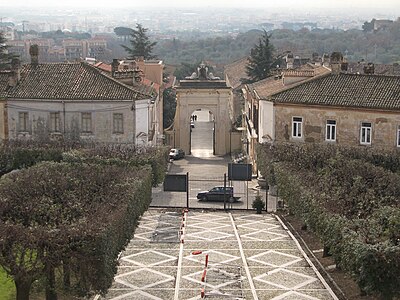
7, 287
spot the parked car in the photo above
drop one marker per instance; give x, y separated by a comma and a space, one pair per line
191, 124
176, 153
217, 194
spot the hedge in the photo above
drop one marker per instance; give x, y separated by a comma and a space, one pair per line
157, 158
351, 203
77, 216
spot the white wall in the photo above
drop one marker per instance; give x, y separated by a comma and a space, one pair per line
70, 118
142, 121
266, 121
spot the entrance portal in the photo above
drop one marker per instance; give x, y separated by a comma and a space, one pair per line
202, 133
203, 91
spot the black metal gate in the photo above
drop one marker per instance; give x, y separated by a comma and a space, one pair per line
198, 184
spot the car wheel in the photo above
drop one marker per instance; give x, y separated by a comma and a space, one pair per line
204, 198
232, 199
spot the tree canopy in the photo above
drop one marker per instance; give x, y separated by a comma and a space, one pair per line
5, 57
141, 45
260, 61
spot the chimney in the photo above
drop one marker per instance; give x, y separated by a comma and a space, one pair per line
34, 53
336, 61
369, 68
138, 75
114, 66
345, 66
15, 74
325, 60
290, 61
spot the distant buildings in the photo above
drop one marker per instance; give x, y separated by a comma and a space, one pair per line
68, 50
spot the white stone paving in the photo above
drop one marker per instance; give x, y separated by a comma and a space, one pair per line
268, 255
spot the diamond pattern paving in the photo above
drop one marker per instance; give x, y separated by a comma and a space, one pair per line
249, 257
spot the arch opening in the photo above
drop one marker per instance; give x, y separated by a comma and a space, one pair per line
202, 133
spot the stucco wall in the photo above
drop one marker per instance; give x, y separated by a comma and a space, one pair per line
348, 124
70, 118
266, 122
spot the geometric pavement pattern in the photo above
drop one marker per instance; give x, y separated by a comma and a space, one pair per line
250, 256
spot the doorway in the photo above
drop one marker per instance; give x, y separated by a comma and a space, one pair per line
202, 133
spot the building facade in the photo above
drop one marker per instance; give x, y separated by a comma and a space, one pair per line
74, 101
342, 109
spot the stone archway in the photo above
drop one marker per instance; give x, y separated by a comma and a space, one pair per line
202, 90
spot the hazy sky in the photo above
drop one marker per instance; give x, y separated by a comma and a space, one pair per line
392, 4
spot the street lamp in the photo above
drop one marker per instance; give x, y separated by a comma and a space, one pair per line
174, 138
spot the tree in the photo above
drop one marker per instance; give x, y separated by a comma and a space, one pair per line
124, 32
169, 107
141, 45
261, 60
368, 26
5, 57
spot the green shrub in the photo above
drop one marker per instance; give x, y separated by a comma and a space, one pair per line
351, 201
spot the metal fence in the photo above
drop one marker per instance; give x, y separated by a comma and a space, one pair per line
241, 189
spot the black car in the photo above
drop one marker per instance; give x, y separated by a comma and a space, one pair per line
217, 194
176, 153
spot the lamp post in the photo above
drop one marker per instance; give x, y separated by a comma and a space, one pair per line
174, 139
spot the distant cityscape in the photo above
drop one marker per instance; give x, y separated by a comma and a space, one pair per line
167, 21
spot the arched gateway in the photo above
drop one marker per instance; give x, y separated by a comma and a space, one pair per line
202, 91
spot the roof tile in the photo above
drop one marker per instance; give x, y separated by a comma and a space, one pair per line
349, 90
71, 81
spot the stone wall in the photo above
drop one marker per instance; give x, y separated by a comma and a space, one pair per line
348, 124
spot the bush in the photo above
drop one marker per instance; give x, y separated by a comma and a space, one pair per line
350, 201
78, 215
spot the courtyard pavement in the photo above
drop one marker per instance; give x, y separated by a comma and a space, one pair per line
250, 256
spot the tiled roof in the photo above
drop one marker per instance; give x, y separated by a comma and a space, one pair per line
236, 71
345, 90
70, 81
271, 85
3, 84
103, 66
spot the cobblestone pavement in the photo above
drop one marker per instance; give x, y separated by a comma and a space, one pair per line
249, 256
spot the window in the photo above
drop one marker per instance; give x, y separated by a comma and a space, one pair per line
87, 122
365, 135
330, 130
398, 136
55, 122
118, 123
297, 128
23, 121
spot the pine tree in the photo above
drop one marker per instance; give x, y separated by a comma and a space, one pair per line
261, 60
141, 45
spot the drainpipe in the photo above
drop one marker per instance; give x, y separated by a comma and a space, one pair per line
64, 120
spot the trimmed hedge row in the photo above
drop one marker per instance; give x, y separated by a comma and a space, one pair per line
20, 155
13, 158
352, 204
369, 249
315, 156
157, 158
78, 216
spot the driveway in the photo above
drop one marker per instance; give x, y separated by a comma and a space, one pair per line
249, 256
